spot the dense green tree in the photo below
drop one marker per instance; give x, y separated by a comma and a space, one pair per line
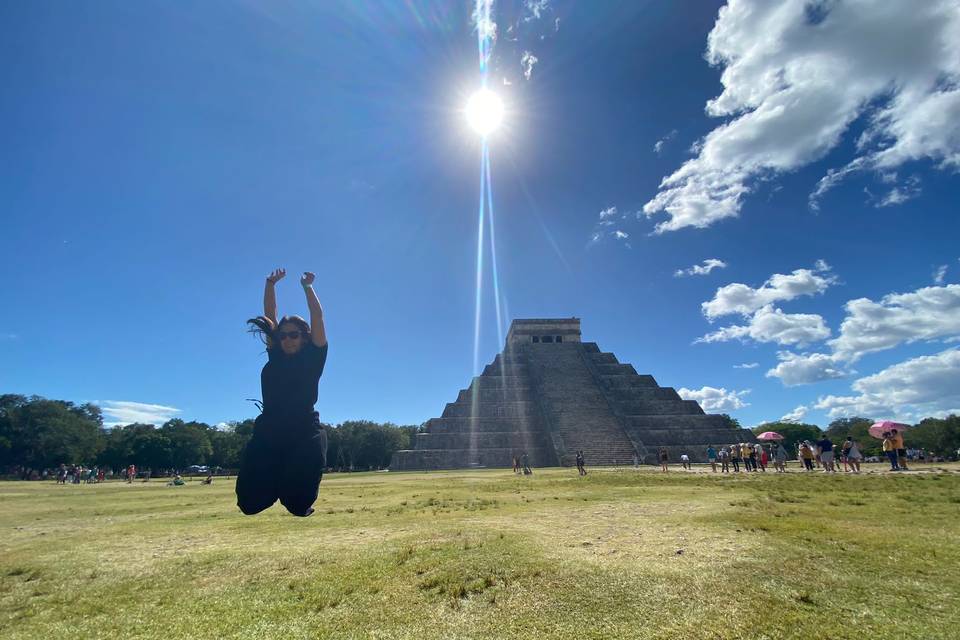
939, 435
189, 442
732, 422
36, 432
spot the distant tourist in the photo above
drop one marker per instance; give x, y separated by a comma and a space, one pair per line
712, 457
825, 447
176, 482
525, 463
750, 457
516, 464
636, 462
806, 454
852, 455
890, 450
764, 458
724, 457
685, 461
580, 467
664, 458
780, 458
209, 478
901, 449
131, 473
288, 435
735, 457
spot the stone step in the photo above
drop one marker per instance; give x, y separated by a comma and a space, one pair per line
415, 459
490, 409
471, 425
500, 382
658, 437
616, 369
689, 422
495, 395
661, 408
618, 381
603, 358
643, 394
505, 370
517, 440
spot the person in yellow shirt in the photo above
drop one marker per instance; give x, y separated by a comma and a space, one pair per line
890, 450
901, 449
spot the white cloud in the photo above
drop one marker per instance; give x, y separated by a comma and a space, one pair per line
715, 400
701, 269
609, 217
797, 74
747, 365
658, 147
535, 9
919, 387
805, 368
925, 314
527, 61
796, 415
483, 19
773, 325
743, 299
125, 412
9, 336
940, 274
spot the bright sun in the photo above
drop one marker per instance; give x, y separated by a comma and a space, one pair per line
484, 112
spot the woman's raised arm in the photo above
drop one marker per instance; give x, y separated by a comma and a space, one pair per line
270, 296
317, 331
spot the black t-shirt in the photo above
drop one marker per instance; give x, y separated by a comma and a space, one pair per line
825, 446
289, 383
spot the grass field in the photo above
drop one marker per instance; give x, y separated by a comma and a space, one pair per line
486, 554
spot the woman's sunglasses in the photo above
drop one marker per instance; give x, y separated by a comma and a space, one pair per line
293, 335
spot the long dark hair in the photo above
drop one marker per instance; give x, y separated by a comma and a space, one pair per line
263, 327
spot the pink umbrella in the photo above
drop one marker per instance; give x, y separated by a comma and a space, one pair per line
877, 429
769, 435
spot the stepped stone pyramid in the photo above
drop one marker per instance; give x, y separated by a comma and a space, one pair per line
550, 394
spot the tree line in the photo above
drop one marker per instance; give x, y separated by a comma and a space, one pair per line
940, 436
39, 433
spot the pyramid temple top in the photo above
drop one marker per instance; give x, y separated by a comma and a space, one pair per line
543, 330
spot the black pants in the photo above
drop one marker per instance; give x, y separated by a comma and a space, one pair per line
283, 461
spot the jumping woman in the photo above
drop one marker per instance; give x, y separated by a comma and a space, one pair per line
284, 459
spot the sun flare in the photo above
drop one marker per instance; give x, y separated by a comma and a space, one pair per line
484, 112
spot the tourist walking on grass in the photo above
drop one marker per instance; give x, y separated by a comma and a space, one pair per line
664, 458
580, 467
735, 457
525, 463
780, 458
852, 454
764, 458
712, 457
807, 455
516, 464
901, 449
285, 458
825, 447
890, 450
685, 461
724, 457
751, 457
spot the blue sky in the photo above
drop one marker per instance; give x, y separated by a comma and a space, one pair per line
159, 159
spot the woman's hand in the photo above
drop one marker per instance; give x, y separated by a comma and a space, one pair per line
276, 276
307, 279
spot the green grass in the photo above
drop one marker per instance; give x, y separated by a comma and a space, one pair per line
486, 554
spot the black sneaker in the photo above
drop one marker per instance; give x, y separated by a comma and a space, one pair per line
307, 513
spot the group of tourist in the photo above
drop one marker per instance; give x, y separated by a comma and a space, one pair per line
521, 464
77, 473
